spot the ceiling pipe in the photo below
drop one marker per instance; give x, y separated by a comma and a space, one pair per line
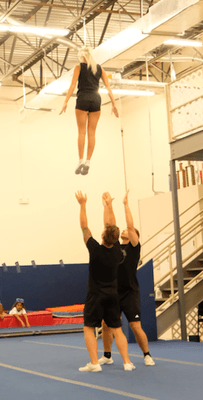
164, 16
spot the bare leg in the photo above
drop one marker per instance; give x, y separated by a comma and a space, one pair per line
81, 117
91, 343
140, 335
107, 336
122, 344
93, 119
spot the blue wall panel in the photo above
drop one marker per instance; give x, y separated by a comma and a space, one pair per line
54, 286
44, 286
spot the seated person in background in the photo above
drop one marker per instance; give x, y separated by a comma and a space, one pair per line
2, 313
19, 309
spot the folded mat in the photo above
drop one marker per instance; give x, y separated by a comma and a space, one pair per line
74, 307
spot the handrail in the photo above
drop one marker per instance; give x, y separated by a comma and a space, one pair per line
185, 259
163, 251
197, 215
183, 235
174, 268
172, 234
175, 296
180, 215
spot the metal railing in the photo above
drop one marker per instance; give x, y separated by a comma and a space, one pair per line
187, 287
164, 252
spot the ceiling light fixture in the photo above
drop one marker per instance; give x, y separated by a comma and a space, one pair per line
33, 30
128, 92
183, 42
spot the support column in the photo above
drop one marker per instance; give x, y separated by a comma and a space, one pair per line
182, 312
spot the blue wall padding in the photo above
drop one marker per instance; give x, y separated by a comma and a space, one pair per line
147, 301
55, 286
44, 286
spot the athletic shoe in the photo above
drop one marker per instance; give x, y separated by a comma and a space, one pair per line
149, 360
85, 168
91, 367
129, 366
79, 167
105, 360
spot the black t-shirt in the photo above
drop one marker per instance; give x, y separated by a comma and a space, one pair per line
87, 81
127, 279
103, 266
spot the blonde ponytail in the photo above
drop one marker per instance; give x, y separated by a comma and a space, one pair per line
85, 54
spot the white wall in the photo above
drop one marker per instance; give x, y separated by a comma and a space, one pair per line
146, 147
37, 162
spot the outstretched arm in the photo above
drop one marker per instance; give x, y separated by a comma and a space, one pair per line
106, 82
26, 320
109, 217
20, 320
133, 236
82, 199
71, 88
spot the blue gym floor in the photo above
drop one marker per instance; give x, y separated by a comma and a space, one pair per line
46, 367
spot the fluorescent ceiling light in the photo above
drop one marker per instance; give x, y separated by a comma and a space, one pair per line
33, 30
183, 42
128, 92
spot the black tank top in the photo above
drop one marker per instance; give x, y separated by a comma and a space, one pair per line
87, 81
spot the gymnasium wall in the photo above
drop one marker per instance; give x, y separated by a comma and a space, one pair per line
54, 286
37, 162
45, 286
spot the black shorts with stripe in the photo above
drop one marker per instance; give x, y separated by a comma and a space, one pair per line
130, 305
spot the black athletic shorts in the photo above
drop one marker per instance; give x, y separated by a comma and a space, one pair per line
130, 305
102, 306
90, 102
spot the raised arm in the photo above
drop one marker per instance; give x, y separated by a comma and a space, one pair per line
106, 82
74, 80
109, 217
82, 200
133, 236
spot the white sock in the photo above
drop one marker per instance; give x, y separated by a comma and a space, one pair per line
87, 162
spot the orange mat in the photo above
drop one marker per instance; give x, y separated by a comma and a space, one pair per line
75, 307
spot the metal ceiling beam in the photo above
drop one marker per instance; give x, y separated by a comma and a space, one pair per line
27, 85
46, 20
33, 75
57, 62
6, 62
12, 49
106, 25
9, 11
83, 6
64, 61
137, 66
25, 19
121, 48
50, 69
129, 14
159, 69
155, 77
43, 4
51, 44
